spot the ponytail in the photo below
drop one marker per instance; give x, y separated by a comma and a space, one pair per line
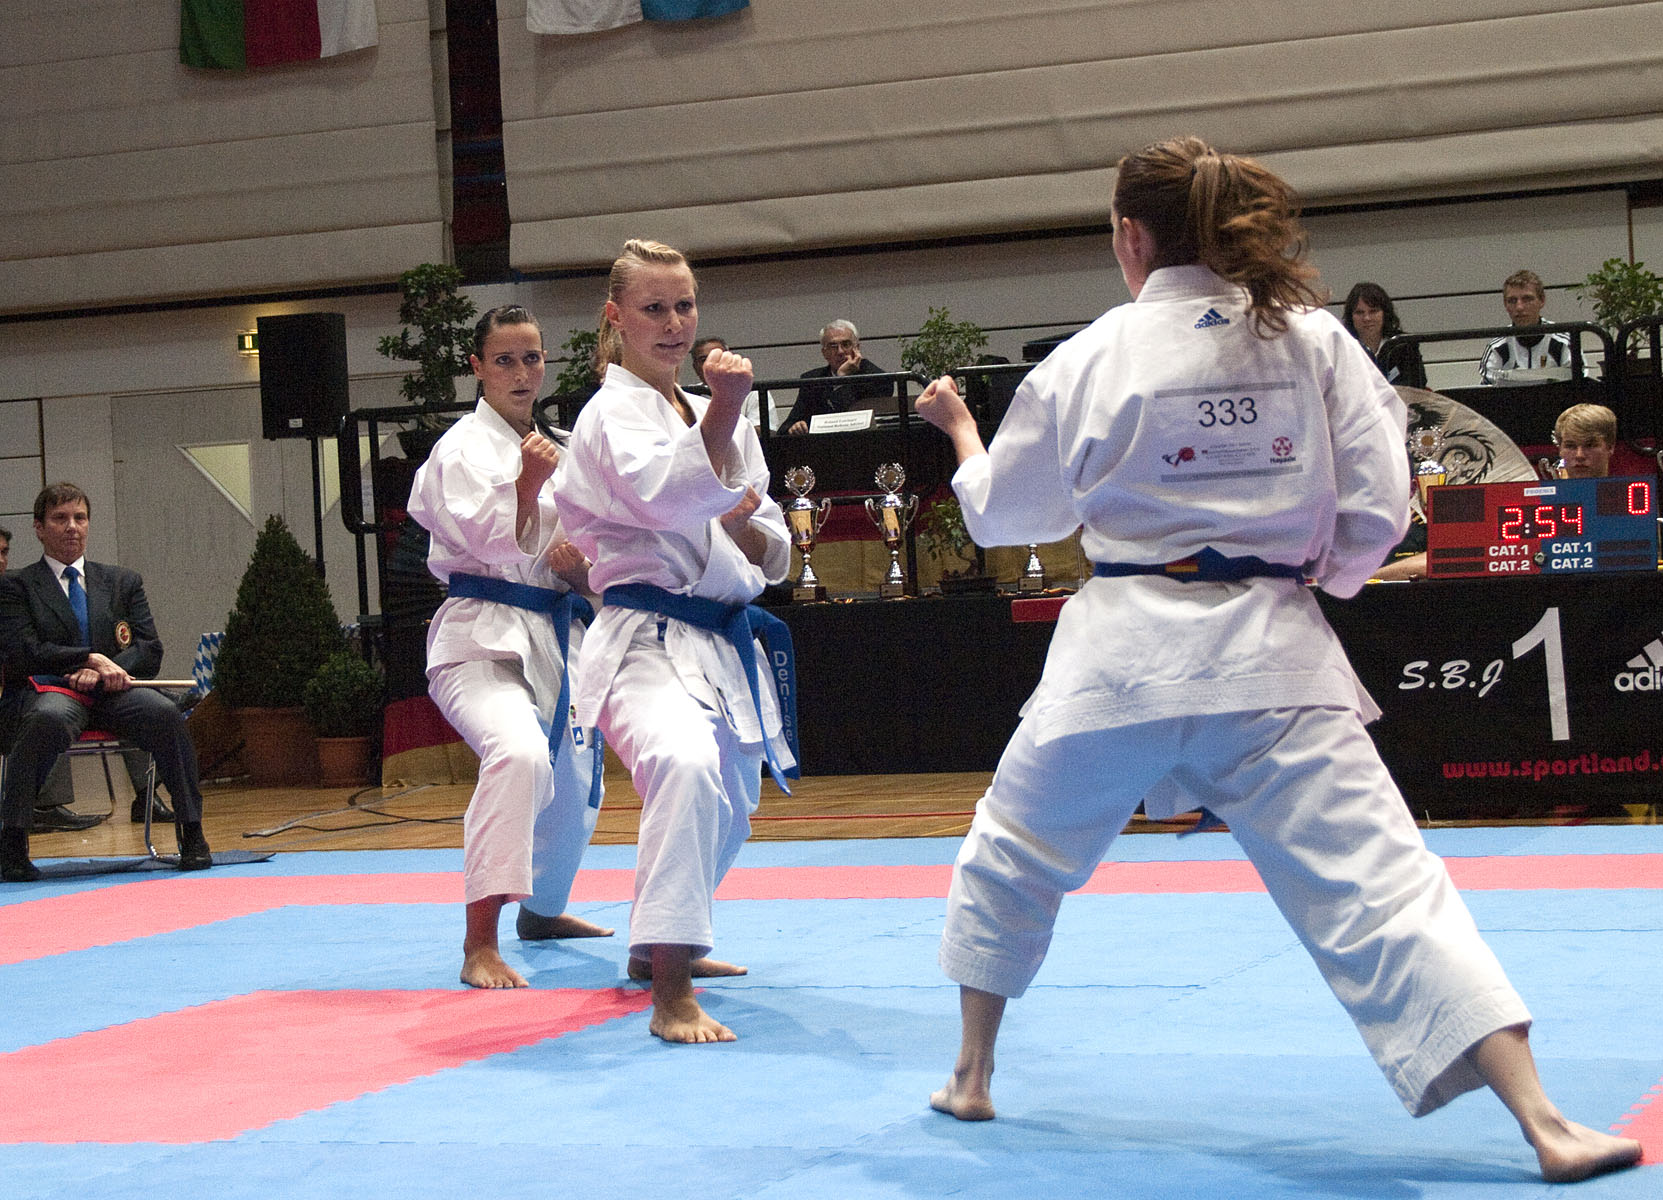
1227, 213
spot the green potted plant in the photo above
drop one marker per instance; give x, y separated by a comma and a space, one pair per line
281, 631
942, 533
942, 344
343, 703
437, 337
579, 376
1621, 292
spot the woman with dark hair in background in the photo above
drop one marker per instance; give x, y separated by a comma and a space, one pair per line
1221, 440
502, 648
1371, 318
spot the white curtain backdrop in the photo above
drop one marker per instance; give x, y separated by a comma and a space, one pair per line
126, 176
793, 126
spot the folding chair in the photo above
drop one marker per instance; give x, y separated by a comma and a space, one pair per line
96, 741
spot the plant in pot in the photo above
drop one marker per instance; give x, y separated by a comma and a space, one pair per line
437, 336
579, 376
942, 344
1621, 292
942, 532
343, 702
281, 631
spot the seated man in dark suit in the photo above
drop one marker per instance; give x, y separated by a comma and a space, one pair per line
840, 347
86, 628
52, 805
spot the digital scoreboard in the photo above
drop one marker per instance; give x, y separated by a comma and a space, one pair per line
1541, 527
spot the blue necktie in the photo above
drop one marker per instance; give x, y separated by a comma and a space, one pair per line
78, 602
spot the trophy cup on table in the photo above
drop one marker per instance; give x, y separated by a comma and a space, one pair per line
892, 515
1426, 447
1033, 575
804, 518
1429, 473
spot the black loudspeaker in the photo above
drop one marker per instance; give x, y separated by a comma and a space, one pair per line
303, 384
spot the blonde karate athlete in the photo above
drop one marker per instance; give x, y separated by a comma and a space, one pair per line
1219, 440
668, 494
500, 648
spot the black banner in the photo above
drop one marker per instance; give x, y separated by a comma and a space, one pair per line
1513, 694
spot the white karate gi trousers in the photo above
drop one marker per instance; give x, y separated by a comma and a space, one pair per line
1305, 794
699, 785
529, 821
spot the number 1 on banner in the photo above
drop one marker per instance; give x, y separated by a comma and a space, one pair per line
1545, 634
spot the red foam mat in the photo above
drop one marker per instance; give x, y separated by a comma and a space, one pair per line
108, 915
219, 1070
1644, 1123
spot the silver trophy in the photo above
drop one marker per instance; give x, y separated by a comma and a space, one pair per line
1033, 575
892, 515
804, 518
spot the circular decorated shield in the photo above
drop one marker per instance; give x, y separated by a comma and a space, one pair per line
1470, 448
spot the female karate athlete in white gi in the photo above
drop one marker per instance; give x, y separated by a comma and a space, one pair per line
668, 494
499, 653
1219, 440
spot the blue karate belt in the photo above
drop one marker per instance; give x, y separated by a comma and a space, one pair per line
739, 624
560, 607
1208, 566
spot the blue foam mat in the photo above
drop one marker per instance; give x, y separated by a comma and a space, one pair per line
1177, 1045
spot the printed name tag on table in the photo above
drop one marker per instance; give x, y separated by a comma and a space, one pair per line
841, 422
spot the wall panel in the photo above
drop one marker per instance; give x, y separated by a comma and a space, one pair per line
125, 176
794, 126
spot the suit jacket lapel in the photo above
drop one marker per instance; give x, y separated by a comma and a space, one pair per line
100, 606
41, 578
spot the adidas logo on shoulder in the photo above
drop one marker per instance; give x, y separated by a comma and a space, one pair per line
1212, 320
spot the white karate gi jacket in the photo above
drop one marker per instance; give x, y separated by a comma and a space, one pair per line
1166, 427
463, 495
638, 496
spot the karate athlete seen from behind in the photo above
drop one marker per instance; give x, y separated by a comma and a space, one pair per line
1219, 439
495, 666
668, 494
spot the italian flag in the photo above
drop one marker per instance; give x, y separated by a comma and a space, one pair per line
234, 35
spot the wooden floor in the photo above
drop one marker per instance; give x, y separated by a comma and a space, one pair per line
276, 818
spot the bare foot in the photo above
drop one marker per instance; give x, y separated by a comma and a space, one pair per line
484, 968
1576, 1152
676, 1015
702, 968
1565, 1150
966, 1099
534, 927
682, 1020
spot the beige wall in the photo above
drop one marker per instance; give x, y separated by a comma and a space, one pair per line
1446, 260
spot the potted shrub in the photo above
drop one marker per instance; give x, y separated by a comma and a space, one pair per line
942, 533
942, 344
1621, 292
437, 337
579, 376
343, 702
281, 631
